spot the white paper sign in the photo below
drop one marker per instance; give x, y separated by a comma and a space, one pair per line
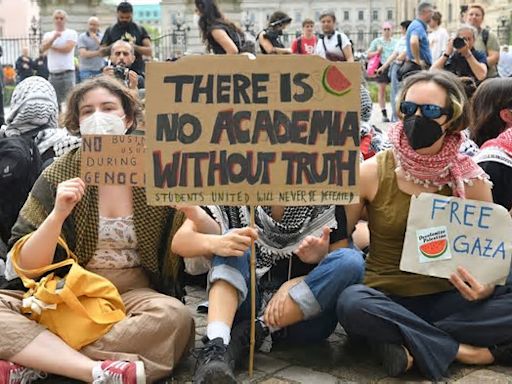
446, 232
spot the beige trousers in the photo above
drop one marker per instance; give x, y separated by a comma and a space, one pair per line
158, 329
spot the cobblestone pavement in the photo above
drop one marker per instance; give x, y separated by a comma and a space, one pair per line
331, 362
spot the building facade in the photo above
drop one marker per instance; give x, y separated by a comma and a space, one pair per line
78, 12
148, 15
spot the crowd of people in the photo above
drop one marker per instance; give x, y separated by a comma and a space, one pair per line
316, 266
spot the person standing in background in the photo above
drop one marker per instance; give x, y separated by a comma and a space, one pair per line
384, 47
438, 37
90, 53
306, 43
24, 66
486, 40
126, 29
60, 45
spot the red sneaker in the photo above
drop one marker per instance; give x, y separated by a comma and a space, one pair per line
11, 373
121, 372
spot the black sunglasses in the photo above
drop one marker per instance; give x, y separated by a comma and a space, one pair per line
430, 111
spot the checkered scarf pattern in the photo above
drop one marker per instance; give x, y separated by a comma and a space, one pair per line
33, 107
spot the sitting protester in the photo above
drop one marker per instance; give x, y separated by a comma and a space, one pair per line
115, 234
301, 267
28, 143
491, 123
461, 58
411, 319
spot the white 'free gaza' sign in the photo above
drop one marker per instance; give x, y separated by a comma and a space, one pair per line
446, 232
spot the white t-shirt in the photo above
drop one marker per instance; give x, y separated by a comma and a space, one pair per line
331, 43
57, 61
438, 40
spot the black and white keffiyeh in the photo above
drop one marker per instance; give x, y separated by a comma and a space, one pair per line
277, 240
34, 112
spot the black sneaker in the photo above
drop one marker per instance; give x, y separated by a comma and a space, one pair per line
214, 363
502, 354
239, 346
393, 358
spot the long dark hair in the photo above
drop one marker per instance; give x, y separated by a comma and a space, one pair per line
210, 14
490, 98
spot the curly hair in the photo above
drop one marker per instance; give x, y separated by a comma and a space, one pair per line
130, 103
492, 96
456, 99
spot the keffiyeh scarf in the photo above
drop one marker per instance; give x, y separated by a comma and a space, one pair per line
498, 150
277, 240
448, 167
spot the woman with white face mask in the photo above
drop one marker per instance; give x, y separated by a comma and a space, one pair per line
114, 233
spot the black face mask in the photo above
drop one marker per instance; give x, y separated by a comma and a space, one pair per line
422, 132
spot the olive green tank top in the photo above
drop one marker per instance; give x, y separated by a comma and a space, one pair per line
387, 221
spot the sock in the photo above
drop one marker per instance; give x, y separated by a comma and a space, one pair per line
97, 372
384, 113
219, 329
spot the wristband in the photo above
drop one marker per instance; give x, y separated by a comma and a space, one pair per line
446, 55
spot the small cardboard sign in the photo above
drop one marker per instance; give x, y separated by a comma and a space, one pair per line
113, 160
446, 232
230, 130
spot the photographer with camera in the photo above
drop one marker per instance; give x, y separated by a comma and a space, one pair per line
121, 59
461, 58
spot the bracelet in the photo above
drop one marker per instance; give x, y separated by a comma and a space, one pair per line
446, 55
468, 55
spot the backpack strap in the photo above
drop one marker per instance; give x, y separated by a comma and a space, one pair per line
339, 41
485, 36
299, 45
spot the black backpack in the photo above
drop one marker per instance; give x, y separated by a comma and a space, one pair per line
20, 166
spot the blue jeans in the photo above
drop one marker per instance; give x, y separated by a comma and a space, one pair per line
395, 85
316, 295
85, 74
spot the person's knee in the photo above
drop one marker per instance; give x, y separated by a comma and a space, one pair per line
174, 315
348, 262
351, 304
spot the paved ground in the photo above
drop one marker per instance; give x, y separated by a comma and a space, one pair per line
333, 362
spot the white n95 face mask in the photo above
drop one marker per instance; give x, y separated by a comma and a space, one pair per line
101, 123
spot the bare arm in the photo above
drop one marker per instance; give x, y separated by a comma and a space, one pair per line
269, 48
144, 49
223, 39
479, 69
39, 249
47, 43
388, 62
415, 48
493, 58
347, 52
439, 63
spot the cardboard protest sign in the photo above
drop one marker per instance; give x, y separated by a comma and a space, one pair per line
446, 232
113, 160
230, 130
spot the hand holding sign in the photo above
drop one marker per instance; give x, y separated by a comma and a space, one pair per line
469, 287
447, 233
233, 243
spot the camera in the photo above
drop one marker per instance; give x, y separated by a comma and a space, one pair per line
121, 72
459, 42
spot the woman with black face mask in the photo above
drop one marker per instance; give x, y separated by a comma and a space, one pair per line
270, 38
412, 319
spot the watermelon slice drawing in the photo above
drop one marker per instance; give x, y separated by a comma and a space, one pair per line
434, 249
335, 82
